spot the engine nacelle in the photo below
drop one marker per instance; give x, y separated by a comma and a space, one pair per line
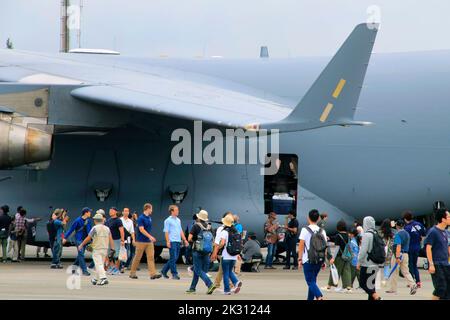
21, 145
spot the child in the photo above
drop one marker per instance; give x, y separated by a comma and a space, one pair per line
354, 247
101, 237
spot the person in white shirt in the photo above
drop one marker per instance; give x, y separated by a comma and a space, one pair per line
101, 238
128, 226
219, 275
228, 260
310, 268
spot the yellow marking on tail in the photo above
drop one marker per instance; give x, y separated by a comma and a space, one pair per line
339, 88
326, 112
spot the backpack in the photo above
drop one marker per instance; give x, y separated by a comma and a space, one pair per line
51, 230
317, 247
205, 240
378, 253
347, 254
234, 244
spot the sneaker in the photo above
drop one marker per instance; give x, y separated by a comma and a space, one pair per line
327, 289
86, 273
165, 275
103, 282
122, 270
338, 289
59, 266
238, 287
413, 290
391, 291
53, 266
176, 277
156, 276
227, 293
115, 272
419, 285
211, 289
348, 290
190, 291
133, 276
94, 281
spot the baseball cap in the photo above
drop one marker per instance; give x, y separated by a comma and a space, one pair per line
86, 209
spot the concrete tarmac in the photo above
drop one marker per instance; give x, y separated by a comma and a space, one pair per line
35, 280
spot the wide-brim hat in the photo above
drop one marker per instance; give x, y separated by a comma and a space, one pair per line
228, 220
202, 215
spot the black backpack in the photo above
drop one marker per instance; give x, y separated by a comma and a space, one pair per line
51, 230
317, 247
234, 244
378, 253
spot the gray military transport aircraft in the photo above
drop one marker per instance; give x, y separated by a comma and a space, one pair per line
87, 129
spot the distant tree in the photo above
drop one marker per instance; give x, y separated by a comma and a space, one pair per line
9, 44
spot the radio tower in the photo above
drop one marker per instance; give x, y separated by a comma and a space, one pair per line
79, 29
64, 43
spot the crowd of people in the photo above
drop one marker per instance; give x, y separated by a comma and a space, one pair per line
119, 240
362, 250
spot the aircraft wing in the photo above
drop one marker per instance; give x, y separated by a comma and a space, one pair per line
187, 100
331, 100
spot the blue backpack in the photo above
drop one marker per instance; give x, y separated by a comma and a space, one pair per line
205, 240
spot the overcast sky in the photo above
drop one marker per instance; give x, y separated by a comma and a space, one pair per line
229, 28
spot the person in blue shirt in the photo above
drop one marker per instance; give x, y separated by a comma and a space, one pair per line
58, 224
237, 224
401, 258
437, 249
145, 243
417, 233
354, 247
174, 235
81, 227
240, 229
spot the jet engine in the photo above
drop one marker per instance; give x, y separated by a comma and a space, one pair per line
21, 145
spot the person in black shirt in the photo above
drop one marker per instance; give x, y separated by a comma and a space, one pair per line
291, 240
115, 225
200, 259
343, 267
5, 222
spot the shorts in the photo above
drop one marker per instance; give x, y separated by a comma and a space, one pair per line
116, 248
441, 282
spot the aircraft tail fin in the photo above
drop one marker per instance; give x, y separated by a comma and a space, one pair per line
333, 97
